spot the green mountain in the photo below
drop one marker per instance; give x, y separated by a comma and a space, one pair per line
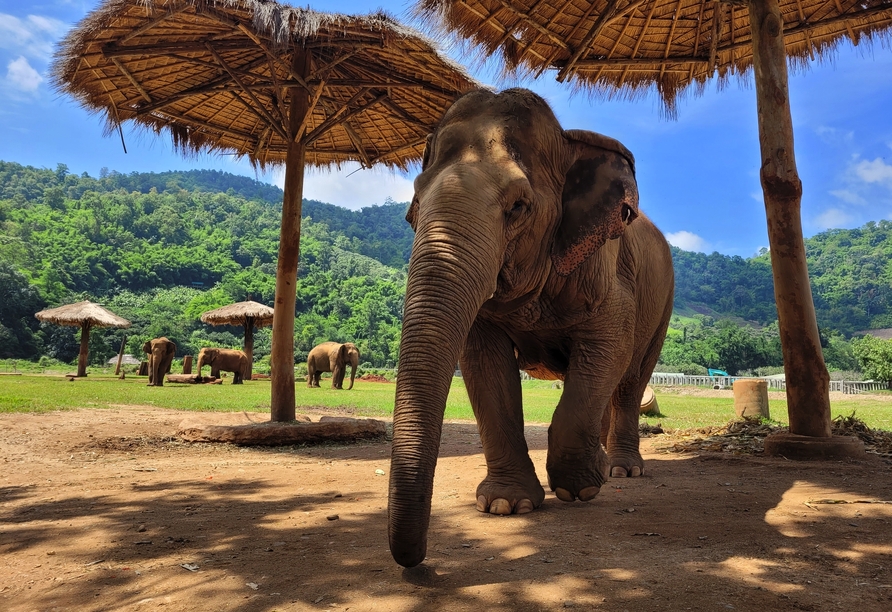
160, 248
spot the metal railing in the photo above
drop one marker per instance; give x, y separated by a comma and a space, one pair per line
777, 384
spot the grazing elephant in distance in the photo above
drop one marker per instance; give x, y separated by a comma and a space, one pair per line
332, 357
160, 352
227, 360
530, 254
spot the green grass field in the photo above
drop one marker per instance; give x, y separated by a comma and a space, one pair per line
46, 392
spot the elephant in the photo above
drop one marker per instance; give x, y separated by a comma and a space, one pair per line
161, 352
530, 254
227, 360
332, 357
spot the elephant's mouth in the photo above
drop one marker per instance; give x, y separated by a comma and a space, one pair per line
499, 305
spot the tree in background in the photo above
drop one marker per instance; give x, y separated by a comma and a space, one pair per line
875, 357
19, 301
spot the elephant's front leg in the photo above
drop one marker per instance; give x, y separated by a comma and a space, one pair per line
577, 464
491, 375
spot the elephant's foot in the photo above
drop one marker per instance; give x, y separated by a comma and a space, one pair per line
575, 477
626, 464
509, 496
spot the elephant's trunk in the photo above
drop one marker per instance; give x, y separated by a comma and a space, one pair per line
448, 282
352, 375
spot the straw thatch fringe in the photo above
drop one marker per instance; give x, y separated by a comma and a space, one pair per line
215, 75
80, 313
667, 47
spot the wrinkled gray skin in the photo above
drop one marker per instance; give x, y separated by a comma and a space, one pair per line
227, 360
332, 357
530, 254
160, 352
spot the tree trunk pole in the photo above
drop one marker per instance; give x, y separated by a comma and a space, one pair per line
120, 356
282, 353
85, 350
808, 382
249, 346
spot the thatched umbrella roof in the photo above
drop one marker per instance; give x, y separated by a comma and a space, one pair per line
624, 48
240, 313
85, 315
268, 81
215, 74
86, 312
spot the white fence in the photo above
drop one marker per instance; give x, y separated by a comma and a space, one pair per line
777, 384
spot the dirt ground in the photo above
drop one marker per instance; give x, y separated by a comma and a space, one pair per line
108, 510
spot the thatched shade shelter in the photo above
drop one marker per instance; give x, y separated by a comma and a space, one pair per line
274, 83
85, 315
248, 314
625, 48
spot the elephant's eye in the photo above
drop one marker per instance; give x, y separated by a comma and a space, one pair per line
517, 209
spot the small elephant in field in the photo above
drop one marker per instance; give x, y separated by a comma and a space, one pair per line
227, 360
160, 352
332, 357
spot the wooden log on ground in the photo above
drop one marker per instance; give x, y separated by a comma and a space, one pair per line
187, 364
270, 433
191, 379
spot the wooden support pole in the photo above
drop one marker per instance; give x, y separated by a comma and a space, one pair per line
248, 347
808, 382
120, 356
85, 349
282, 353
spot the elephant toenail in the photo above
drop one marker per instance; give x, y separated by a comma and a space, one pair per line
618, 472
481, 503
524, 506
564, 495
589, 493
636, 471
500, 506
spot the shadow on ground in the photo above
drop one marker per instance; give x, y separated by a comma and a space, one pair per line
138, 521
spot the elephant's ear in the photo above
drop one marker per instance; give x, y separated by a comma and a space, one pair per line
600, 198
147, 347
412, 212
171, 348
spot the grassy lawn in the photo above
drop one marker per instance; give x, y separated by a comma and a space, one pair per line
46, 392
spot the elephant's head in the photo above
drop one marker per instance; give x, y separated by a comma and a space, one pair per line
350, 355
206, 357
506, 202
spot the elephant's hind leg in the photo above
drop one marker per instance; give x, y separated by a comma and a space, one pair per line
622, 438
492, 378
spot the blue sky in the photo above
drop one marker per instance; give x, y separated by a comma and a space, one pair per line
698, 175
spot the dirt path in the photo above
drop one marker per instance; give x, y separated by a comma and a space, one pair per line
106, 510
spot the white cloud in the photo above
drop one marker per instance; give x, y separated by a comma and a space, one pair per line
848, 196
687, 241
353, 188
21, 76
834, 136
876, 171
833, 218
33, 36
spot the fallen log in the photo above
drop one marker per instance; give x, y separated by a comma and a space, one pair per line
191, 379
268, 433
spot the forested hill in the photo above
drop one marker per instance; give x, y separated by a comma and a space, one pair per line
166, 246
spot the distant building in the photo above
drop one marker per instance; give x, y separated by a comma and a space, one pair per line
126, 360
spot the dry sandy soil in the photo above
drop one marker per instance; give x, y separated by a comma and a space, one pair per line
108, 510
